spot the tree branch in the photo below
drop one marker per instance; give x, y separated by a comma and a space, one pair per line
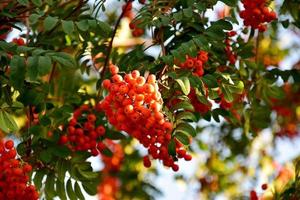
109, 49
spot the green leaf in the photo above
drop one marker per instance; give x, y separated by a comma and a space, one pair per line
70, 191
107, 152
222, 24
32, 67
64, 59
60, 151
38, 178
17, 71
186, 116
183, 105
61, 168
114, 135
49, 187
184, 83
188, 12
68, 27
82, 25
172, 147
24, 49
7, 122
285, 23
210, 81
23, 2
44, 65
8, 46
46, 156
33, 19
78, 191
227, 94
38, 3
183, 138
80, 157
50, 22
89, 175
90, 187
60, 189
275, 92
45, 120
105, 28
186, 128
237, 88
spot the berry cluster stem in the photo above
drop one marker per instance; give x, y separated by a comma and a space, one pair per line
109, 49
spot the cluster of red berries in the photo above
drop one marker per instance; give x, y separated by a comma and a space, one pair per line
134, 105
133, 25
84, 132
198, 105
113, 163
136, 31
287, 116
108, 188
13, 175
19, 41
127, 10
109, 185
196, 64
256, 13
228, 49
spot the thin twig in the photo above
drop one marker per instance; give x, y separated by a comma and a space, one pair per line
109, 49
110, 45
163, 50
30, 118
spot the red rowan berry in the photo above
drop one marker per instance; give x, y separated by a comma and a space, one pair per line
106, 84
113, 69
63, 139
264, 186
9, 144
146, 161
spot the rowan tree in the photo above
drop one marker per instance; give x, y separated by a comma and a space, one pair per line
140, 84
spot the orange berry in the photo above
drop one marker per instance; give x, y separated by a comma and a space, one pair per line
139, 97
113, 69
135, 74
140, 80
128, 109
148, 88
151, 78
158, 115
128, 78
117, 78
123, 89
106, 83
156, 107
168, 126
